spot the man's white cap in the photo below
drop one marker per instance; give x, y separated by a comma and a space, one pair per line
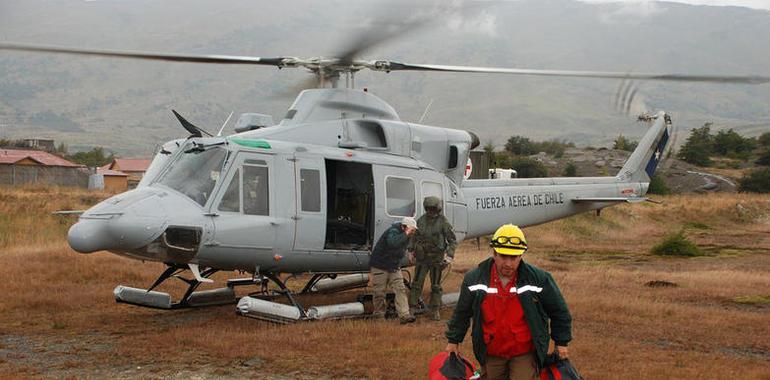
409, 222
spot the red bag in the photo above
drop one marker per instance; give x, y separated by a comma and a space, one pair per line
556, 368
450, 366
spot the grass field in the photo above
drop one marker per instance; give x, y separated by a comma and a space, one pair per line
58, 318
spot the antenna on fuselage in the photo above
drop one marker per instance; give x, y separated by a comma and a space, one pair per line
223, 125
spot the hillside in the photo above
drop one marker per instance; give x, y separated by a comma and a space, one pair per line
125, 105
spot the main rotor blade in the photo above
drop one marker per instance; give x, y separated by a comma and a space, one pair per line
153, 56
398, 19
397, 66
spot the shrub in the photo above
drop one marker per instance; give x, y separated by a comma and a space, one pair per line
764, 158
677, 245
520, 146
570, 170
622, 143
756, 181
657, 186
529, 168
699, 146
729, 143
764, 139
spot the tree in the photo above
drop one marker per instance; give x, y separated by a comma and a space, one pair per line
489, 149
657, 186
756, 181
93, 157
520, 146
699, 147
528, 168
731, 144
61, 149
570, 170
622, 143
764, 139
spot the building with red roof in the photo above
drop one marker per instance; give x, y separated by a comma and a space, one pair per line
134, 167
22, 166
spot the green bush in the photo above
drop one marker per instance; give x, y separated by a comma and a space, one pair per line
756, 181
657, 186
520, 146
529, 168
699, 147
730, 144
523, 146
622, 143
764, 139
570, 170
677, 245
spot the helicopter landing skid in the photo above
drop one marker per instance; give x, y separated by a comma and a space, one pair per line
191, 298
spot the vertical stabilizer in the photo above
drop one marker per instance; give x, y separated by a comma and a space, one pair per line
644, 160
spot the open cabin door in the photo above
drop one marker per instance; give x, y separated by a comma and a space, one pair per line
350, 206
310, 189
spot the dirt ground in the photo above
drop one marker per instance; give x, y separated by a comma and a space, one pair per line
68, 326
635, 315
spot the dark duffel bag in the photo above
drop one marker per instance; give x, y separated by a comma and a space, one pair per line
450, 366
556, 368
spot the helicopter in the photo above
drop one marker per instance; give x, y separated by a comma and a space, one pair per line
313, 192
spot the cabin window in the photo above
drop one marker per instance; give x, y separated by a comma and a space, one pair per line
452, 157
432, 189
256, 192
310, 189
400, 196
231, 201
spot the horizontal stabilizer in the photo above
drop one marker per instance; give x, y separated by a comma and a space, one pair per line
68, 212
611, 199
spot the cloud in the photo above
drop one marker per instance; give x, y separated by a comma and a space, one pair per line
624, 12
755, 4
484, 23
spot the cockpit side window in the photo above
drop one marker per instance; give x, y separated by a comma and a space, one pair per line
195, 172
256, 190
231, 201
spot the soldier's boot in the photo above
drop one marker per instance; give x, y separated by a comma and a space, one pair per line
435, 314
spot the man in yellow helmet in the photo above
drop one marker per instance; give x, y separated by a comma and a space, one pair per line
511, 303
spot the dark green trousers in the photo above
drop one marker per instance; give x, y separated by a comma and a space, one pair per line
420, 272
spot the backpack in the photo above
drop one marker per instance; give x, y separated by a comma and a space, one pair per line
450, 366
556, 368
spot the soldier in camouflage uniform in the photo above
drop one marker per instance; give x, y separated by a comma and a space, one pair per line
434, 246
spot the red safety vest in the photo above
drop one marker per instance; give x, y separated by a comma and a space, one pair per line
506, 332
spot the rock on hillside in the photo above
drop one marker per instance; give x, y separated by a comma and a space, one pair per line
679, 176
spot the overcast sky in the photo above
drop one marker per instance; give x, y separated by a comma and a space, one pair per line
756, 4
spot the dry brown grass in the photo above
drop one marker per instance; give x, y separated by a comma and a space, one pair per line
26, 217
58, 317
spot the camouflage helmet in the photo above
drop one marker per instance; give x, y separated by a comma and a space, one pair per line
432, 201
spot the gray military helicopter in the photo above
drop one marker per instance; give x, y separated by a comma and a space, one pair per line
313, 192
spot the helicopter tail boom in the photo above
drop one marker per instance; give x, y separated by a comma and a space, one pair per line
644, 160
531, 201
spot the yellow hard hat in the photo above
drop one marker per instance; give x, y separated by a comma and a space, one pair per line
509, 240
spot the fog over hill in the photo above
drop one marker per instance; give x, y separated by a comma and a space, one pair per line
125, 105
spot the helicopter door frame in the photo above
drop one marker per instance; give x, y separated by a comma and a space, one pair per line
310, 215
240, 232
382, 173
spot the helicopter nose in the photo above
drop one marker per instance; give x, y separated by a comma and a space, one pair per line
123, 232
124, 222
88, 236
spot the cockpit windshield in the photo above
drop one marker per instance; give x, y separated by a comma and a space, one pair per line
195, 171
